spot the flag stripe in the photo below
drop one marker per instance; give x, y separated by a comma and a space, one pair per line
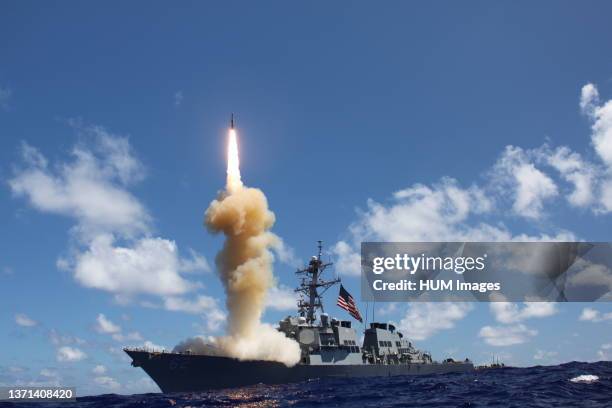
346, 302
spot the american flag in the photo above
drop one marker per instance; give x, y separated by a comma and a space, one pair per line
345, 301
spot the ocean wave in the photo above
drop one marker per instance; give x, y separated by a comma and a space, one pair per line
567, 385
585, 378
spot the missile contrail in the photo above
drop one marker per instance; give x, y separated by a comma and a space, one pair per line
244, 265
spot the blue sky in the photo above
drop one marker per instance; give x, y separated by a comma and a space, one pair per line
113, 120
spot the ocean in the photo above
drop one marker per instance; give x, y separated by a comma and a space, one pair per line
566, 385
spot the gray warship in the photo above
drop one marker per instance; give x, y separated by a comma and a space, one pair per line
329, 348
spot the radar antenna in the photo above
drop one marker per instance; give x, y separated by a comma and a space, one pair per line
311, 282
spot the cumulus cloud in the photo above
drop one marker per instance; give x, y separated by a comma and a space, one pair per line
501, 336
149, 345
112, 247
543, 355
196, 262
48, 377
284, 253
522, 182
601, 116
506, 312
105, 326
149, 266
107, 382
423, 320
212, 315
424, 213
25, 321
58, 339
281, 297
70, 354
529, 186
444, 211
89, 188
575, 170
605, 352
348, 259
99, 370
591, 315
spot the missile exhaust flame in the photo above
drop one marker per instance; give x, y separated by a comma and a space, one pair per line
234, 181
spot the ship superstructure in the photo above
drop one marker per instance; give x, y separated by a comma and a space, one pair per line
329, 348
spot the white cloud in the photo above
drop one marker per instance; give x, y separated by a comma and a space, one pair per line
530, 187
150, 266
196, 262
70, 354
105, 326
49, 377
581, 174
59, 339
605, 352
90, 189
281, 298
601, 115
589, 98
422, 213
46, 372
212, 315
389, 308
131, 336
445, 211
149, 345
506, 312
99, 370
285, 253
143, 385
348, 260
545, 355
442, 212
25, 321
501, 336
591, 315
107, 382
423, 320
112, 247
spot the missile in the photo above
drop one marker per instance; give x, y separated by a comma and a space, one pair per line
232, 122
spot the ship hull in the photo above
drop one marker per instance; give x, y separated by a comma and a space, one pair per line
186, 373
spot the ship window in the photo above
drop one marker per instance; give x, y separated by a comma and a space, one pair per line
397, 343
381, 343
327, 339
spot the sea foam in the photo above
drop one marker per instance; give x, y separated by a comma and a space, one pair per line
585, 378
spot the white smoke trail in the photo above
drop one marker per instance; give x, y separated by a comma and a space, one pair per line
245, 267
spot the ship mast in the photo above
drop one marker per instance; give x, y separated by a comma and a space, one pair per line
311, 282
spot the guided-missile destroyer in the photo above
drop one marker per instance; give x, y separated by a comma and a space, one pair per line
329, 348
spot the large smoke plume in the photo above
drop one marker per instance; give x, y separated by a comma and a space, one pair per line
244, 265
